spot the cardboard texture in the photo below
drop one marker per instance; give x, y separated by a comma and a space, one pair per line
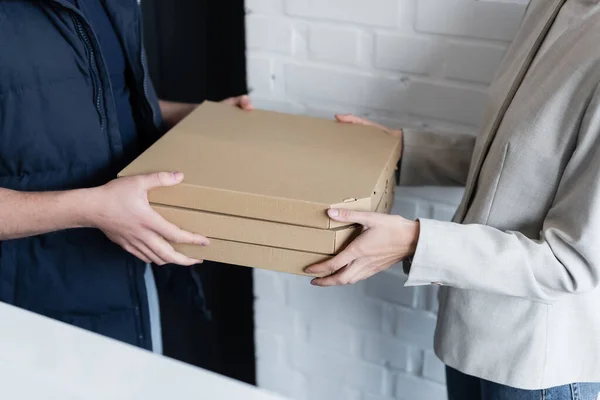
254, 231
270, 166
247, 230
266, 257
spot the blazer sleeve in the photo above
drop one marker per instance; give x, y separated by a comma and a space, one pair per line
435, 159
563, 260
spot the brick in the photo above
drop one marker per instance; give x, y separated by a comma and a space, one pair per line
433, 368
344, 87
413, 388
269, 34
300, 41
264, 7
472, 62
443, 212
269, 286
275, 318
269, 347
449, 102
405, 207
361, 313
415, 327
390, 287
333, 44
386, 350
405, 53
304, 297
337, 368
325, 84
425, 211
356, 89
332, 336
432, 299
372, 12
389, 319
485, 20
344, 304
322, 388
407, 16
415, 361
366, 50
281, 379
422, 294
386, 94
260, 76
369, 396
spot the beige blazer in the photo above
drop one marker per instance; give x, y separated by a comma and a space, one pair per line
520, 264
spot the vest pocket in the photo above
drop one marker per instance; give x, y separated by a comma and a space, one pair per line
116, 324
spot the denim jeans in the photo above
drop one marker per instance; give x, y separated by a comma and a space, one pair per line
465, 387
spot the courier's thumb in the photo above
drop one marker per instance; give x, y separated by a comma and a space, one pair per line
162, 179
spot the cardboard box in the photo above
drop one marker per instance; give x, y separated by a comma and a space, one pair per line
270, 166
254, 231
266, 233
266, 257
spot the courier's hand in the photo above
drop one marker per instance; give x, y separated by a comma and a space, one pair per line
386, 240
174, 112
242, 102
122, 211
353, 119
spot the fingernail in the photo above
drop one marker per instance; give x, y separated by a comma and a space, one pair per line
333, 212
309, 270
205, 242
178, 176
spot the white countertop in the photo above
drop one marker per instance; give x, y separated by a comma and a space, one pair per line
41, 359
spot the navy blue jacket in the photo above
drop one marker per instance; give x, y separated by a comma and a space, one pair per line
59, 131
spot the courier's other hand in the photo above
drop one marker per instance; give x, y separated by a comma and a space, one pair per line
242, 102
122, 211
385, 241
353, 119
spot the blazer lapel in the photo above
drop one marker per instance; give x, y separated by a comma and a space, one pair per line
513, 70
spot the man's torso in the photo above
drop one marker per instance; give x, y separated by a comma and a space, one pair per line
60, 128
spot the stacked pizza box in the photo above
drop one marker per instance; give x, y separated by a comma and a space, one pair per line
259, 184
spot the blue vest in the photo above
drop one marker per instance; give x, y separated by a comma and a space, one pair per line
59, 131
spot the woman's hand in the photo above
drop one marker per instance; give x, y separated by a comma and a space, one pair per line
353, 119
385, 241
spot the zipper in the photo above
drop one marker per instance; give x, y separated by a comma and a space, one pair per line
92, 59
98, 99
149, 107
98, 96
145, 83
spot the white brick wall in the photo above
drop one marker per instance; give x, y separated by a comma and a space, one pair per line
406, 63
